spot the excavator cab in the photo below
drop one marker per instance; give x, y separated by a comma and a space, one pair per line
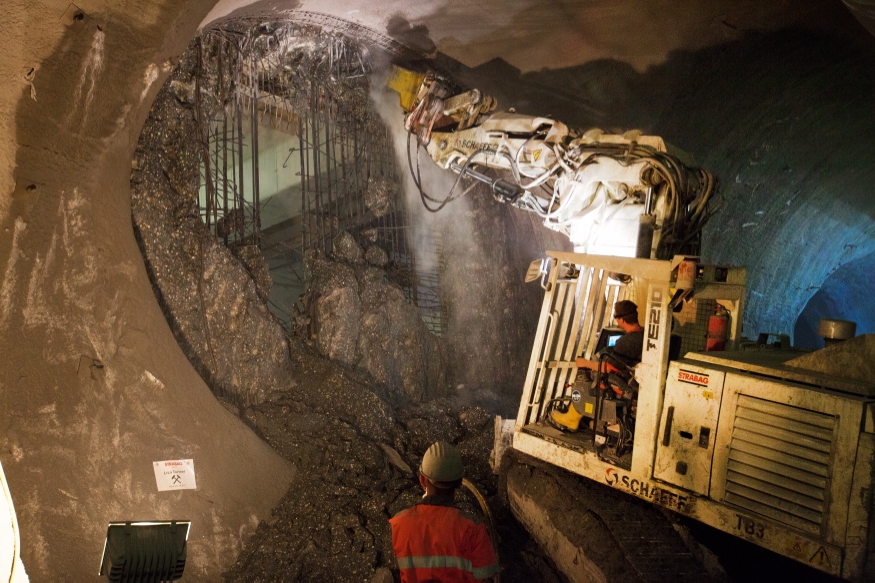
606, 402
758, 440
610, 416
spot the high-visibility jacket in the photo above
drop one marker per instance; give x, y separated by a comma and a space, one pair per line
435, 542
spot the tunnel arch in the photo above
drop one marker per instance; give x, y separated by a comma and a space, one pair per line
77, 397
846, 294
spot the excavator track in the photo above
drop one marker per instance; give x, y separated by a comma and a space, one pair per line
592, 531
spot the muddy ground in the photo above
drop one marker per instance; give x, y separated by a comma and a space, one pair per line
332, 524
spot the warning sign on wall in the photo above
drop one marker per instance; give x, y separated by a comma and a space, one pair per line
174, 475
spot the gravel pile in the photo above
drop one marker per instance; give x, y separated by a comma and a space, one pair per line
333, 525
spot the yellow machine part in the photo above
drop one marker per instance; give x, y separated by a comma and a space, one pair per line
406, 84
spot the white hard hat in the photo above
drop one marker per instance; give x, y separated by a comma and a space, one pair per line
442, 464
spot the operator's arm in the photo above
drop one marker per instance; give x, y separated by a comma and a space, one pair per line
584, 363
593, 365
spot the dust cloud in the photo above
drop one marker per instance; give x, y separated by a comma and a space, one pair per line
449, 242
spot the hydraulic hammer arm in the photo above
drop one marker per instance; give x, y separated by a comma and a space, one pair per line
610, 194
427, 103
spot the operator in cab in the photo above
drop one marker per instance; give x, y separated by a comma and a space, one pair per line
434, 541
630, 345
627, 351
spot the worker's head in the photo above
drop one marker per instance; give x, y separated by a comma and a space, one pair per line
626, 312
441, 471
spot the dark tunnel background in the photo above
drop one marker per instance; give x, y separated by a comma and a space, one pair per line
785, 120
846, 291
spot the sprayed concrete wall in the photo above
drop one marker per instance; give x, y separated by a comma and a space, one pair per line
93, 386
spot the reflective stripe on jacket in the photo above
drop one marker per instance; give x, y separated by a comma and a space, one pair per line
434, 541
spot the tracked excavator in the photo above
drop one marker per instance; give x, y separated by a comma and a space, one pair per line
762, 441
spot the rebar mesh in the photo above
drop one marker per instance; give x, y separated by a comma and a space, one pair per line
305, 93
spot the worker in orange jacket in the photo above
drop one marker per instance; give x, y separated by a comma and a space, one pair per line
434, 541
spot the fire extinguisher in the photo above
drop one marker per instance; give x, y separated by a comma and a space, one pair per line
718, 330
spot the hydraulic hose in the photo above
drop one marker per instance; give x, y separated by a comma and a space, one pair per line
417, 179
490, 524
687, 193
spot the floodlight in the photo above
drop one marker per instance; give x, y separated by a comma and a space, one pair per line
145, 551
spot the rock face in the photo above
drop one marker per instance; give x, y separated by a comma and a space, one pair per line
346, 249
376, 256
338, 321
365, 322
213, 298
379, 195
253, 260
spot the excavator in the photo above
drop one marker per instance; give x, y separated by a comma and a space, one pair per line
765, 442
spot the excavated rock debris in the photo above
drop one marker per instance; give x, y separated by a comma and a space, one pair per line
213, 299
376, 256
332, 525
379, 194
252, 258
365, 322
346, 249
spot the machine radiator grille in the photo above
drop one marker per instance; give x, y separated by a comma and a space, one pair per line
779, 462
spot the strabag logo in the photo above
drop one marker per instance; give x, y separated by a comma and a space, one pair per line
688, 376
647, 490
655, 318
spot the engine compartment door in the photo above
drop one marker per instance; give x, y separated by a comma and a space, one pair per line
688, 428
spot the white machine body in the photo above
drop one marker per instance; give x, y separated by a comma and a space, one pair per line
596, 205
755, 441
11, 567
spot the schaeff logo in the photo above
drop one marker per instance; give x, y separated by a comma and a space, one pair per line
646, 490
688, 376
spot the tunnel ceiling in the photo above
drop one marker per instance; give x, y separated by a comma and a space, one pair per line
531, 35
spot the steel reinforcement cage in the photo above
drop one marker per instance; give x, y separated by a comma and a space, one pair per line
298, 79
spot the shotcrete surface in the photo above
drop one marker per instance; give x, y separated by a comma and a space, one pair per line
93, 386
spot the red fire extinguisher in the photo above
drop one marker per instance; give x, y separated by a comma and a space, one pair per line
718, 330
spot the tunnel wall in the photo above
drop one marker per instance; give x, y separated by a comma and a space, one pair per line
93, 387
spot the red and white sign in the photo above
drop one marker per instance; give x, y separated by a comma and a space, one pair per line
174, 475
696, 378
